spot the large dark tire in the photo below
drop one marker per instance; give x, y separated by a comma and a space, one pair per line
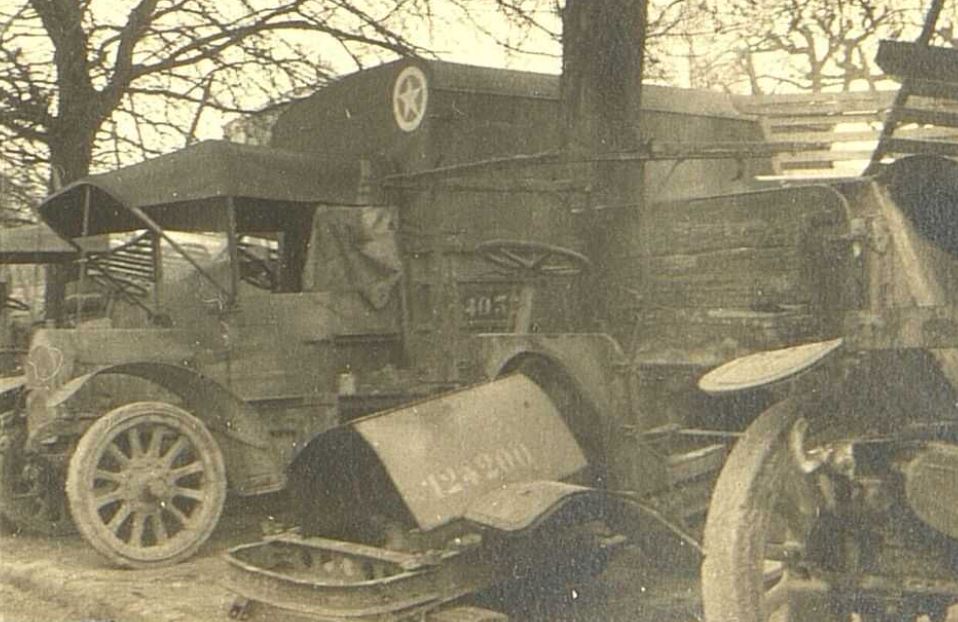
146, 485
756, 504
31, 489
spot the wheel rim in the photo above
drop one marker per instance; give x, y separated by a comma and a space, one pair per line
761, 512
147, 484
31, 490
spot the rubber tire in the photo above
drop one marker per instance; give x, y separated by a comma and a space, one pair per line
86, 458
739, 516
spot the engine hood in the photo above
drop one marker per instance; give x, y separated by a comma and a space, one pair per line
59, 355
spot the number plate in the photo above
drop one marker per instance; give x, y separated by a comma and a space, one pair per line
488, 306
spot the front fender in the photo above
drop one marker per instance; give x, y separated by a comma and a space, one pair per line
593, 362
253, 465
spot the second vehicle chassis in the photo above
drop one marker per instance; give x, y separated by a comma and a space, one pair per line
840, 501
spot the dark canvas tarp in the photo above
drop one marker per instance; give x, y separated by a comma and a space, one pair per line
178, 189
355, 249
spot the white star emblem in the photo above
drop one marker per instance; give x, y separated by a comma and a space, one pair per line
410, 96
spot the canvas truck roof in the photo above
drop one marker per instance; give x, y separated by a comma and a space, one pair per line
185, 189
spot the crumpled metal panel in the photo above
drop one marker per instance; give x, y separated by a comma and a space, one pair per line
446, 453
517, 506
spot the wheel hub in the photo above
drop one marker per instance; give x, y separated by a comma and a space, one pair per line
147, 482
158, 489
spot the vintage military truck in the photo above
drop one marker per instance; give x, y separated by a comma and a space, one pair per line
411, 229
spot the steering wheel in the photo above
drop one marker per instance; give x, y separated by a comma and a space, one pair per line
15, 303
256, 271
526, 258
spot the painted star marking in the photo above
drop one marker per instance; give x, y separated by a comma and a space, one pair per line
410, 99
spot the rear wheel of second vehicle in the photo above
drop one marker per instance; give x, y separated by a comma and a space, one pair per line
146, 484
31, 487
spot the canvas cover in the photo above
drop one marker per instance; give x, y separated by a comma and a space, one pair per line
354, 249
178, 189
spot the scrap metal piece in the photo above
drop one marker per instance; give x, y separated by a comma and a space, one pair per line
517, 506
444, 454
762, 368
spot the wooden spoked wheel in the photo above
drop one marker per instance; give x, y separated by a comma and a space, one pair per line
146, 484
533, 258
762, 511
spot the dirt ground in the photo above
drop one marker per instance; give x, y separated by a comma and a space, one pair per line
24, 604
64, 580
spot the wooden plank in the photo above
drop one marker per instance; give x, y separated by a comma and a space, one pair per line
927, 117
915, 61
776, 218
687, 237
115, 260
816, 118
829, 137
818, 138
766, 132
772, 292
780, 99
927, 132
759, 278
927, 147
824, 102
937, 90
823, 157
930, 103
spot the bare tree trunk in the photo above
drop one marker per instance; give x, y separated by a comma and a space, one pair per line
71, 150
602, 58
603, 51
